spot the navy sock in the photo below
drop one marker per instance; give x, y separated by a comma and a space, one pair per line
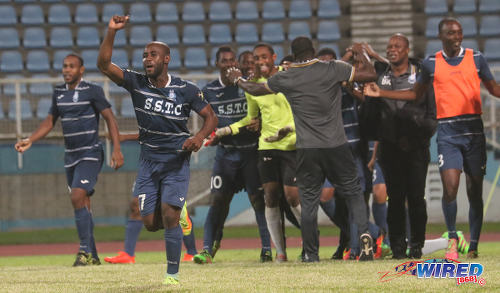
189, 241
380, 214
265, 237
82, 220
209, 229
450, 217
475, 222
132, 232
93, 248
173, 245
374, 230
329, 209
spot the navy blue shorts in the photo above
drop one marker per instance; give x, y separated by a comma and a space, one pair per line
84, 175
377, 175
168, 179
234, 170
278, 166
462, 144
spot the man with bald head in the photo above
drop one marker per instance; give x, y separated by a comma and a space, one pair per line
162, 104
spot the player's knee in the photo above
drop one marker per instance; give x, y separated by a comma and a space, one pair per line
217, 198
379, 194
78, 198
257, 201
171, 215
326, 194
134, 209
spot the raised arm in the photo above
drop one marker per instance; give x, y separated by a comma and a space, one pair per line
364, 70
43, 129
116, 156
104, 63
195, 142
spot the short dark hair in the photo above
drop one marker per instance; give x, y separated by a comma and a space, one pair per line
269, 47
302, 46
327, 51
76, 56
287, 58
401, 36
222, 49
246, 52
445, 21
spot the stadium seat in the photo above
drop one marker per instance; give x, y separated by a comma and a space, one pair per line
175, 59
37, 61
34, 37
432, 47
86, 14
167, 34
193, 34
2, 115
300, 9
328, 31
26, 112
10, 38
241, 49
110, 9
137, 59
213, 58
43, 89
489, 6
59, 14
88, 37
120, 58
140, 35
43, 107
59, 56
193, 12
246, 33
120, 39
219, 11
273, 10
470, 43
7, 15
328, 9
246, 11
140, 13
219, 34
127, 109
431, 29
280, 53
195, 58
490, 26
436, 7
298, 28
333, 46
50, 1
491, 51
464, 6
32, 15
166, 12
11, 61
469, 26
272, 32
10, 89
90, 59
61, 37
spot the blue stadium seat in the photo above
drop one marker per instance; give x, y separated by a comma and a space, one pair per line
193, 12
10, 89
464, 6
193, 34
43, 89
37, 61
436, 7
50, 1
86, 14
120, 39
333, 46
280, 53
59, 14
61, 37
272, 32
120, 58
328, 9
127, 109
298, 28
470, 43
219, 11
7, 15
24, 1
10, 38
246, 11
140, 35
491, 51
140, 13
43, 107
34, 37
137, 59
88, 37
431, 30
167, 34
116, 90
26, 112
328, 31
220, 34
300, 9
90, 59
490, 26
273, 10
11, 61
110, 9
167, 12
489, 6
32, 15
469, 26
246, 33
175, 59
213, 58
241, 49
59, 56
195, 58
432, 47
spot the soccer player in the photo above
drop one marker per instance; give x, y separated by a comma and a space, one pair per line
235, 165
79, 104
276, 158
162, 104
455, 74
313, 90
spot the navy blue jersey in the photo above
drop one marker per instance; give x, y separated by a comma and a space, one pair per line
350, 119
162, 113
230, 106
79, 111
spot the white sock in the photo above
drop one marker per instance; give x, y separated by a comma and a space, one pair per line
433, 245
297, 211
273, 218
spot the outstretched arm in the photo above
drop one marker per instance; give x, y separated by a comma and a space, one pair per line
492, 87
195, 142
43, 129
253, 88
116, 156
418, 90
104, 63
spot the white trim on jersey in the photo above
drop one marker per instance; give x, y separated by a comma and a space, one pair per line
79, 133
82, 148
165, 133
78, 118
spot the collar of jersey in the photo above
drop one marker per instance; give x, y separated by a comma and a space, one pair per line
77, 86
168, 83
304, 63
462, 52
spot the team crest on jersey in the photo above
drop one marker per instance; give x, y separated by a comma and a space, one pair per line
200, 94
412, 78
386, 80
75, 97
172, 96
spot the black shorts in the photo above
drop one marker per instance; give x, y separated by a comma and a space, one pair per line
277, 166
